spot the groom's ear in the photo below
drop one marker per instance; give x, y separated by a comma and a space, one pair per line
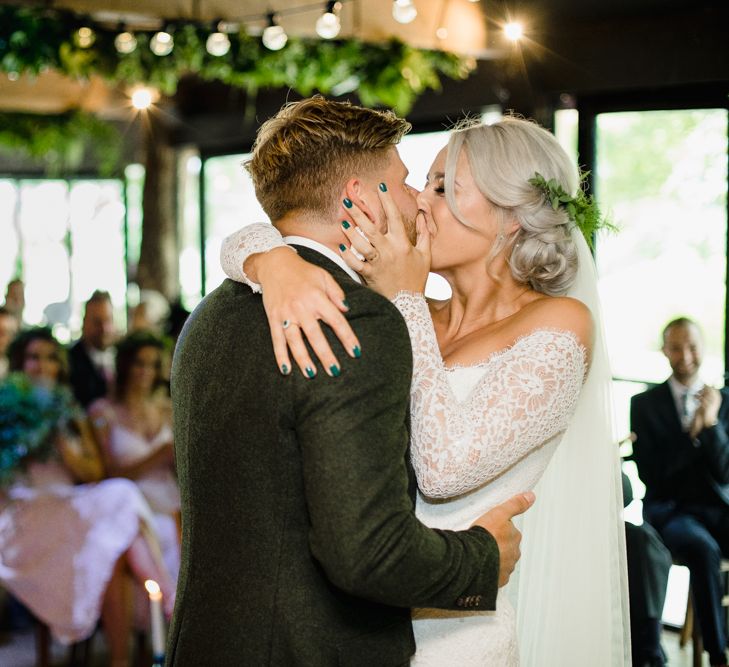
356, 191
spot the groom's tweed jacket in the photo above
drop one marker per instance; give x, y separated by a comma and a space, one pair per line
300, 546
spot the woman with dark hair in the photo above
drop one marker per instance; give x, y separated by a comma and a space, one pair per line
134, 429
68, 542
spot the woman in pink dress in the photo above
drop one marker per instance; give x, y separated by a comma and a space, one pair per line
68, 549
134, 430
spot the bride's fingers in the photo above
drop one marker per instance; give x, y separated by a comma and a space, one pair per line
299, 351
359, 241
395, 225
353, 261
280, 346
362, 221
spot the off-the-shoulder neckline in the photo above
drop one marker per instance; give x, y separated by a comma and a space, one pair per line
497, 354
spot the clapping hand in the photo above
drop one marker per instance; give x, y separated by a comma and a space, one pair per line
707, 413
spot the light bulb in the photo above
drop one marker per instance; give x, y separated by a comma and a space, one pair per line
84, 37
404, 11
218, 44
162, 43
328, 25
125, 42
514, 31
142, 98
274, 37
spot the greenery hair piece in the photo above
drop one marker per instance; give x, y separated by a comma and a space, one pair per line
582, 209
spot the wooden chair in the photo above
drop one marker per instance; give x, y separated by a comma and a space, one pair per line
691, 629
79, 654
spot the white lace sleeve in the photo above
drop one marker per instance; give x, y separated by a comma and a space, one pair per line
240, 245
525, 401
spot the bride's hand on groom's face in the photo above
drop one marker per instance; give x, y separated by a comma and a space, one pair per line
387, 260
497, 522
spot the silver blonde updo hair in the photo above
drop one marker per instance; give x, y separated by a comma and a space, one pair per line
503, 157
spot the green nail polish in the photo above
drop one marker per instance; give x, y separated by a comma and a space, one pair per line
347, 202
357, 351
345, 224
345, 303
383, 187
342, 247
284, 369
334, 370
310, 372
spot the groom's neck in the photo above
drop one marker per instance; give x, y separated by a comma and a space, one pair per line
326, 232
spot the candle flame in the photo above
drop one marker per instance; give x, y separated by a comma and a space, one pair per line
152, 587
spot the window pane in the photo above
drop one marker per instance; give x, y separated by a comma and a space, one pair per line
9, 245
189, 229
662, 175
45, 256
97, 232
230, 203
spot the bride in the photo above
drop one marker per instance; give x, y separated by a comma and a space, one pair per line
510, 388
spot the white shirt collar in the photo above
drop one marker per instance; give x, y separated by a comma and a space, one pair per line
678, 389
322, 249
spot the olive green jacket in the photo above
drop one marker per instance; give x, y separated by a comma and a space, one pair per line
299, 543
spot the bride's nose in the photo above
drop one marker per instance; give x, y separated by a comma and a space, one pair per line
423, 200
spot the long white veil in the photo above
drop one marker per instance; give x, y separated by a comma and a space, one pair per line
571, 586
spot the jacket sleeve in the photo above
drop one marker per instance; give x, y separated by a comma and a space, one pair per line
714, 444
353, 434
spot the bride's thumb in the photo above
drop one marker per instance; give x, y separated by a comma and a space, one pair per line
423, 238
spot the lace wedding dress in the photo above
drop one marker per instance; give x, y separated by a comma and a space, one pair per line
481, 434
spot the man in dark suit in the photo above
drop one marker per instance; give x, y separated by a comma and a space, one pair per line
300, 545
91, 358
682, 454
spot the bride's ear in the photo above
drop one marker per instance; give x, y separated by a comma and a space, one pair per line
355, 191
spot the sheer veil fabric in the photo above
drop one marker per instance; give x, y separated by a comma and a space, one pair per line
571, 586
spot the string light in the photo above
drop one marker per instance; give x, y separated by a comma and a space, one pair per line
85, 37
328, 24
162, 43
404, 11
274, 36
125, 42
218, 43
142, 98
514, 31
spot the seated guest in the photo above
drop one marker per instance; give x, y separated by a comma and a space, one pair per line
649, 563
92, 356
8, 330
682, 454
15, 300
68, 543
134, 429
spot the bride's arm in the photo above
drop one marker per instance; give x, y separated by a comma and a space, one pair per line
458, 446
293, 290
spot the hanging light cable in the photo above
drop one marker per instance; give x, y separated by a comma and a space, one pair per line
274, 36
328, 24
404, 11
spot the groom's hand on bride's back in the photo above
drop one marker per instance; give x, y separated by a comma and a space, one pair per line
498, 522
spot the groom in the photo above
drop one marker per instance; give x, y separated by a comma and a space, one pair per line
300, 545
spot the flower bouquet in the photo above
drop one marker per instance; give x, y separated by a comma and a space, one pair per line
30, 415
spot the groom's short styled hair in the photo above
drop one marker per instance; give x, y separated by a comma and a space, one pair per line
305, 154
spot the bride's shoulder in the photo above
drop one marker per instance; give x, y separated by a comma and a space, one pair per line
559, 313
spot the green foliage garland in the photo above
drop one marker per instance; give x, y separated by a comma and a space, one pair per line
33, 39
59, 142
